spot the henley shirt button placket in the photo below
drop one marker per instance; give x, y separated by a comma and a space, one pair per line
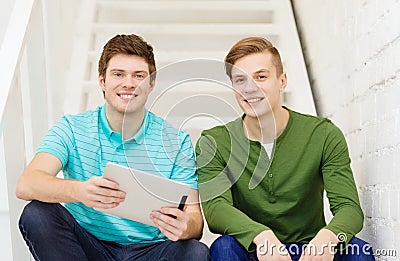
271, 198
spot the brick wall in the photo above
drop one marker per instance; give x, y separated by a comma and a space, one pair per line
352, 50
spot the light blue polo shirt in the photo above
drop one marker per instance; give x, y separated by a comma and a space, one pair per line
84, 143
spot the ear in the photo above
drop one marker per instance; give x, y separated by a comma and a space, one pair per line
101, 81
283, 82
152, 84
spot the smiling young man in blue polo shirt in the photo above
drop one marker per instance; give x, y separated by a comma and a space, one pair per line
122, 131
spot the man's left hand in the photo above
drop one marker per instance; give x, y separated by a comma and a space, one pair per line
321, 247
172, 222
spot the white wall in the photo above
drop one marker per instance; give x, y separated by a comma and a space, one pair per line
352, 50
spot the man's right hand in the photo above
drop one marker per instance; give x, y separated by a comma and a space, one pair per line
269, 248
98, 192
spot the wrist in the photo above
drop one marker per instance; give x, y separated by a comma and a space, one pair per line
261, 237
75, 189
326, 233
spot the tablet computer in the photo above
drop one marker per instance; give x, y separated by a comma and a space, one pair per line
146, 192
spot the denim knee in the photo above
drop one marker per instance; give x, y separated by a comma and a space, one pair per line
30, 214
358, 248
227, 248
225, 242
36, 215
195, 250
363, 245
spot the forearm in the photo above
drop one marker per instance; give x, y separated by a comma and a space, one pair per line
346, 222
223, 218
39, 185
340, 186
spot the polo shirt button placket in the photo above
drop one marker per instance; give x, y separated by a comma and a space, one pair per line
118, 156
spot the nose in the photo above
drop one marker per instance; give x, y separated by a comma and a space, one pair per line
250, 86
130, 82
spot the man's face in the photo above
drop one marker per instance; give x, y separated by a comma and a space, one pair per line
257, 85
127, 83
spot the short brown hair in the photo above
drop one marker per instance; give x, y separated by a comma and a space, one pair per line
251, 45
130, 45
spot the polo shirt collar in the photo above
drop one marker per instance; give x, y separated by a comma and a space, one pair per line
141, 133
113, 135
104, 122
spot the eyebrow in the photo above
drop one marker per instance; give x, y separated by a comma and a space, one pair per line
262, 70
238, 75
122, 70
259, 71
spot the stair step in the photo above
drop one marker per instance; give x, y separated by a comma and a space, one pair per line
267, 5
172, 29
188, 37
186, 43
186, 11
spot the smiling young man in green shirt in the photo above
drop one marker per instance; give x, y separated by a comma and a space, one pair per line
262, 176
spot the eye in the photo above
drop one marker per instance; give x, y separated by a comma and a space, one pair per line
117, 74
261, 77
139, 76
239, 80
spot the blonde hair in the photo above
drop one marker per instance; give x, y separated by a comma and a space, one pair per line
251, 45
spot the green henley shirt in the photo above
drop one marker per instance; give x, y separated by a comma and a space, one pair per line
243, 192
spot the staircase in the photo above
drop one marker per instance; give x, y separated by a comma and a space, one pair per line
190, 38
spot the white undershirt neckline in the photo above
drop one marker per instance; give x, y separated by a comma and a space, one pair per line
268, 148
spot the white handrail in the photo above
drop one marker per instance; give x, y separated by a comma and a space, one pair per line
12, 47
13, 60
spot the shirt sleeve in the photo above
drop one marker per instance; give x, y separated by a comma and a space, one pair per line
216, 197
340, 186
184, 169
58, 141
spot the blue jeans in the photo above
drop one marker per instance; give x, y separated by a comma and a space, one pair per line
53, 234
228, 248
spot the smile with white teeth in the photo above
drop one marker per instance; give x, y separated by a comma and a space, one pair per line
127, 96
254, 100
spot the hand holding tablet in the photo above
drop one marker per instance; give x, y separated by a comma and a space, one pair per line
145, 193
